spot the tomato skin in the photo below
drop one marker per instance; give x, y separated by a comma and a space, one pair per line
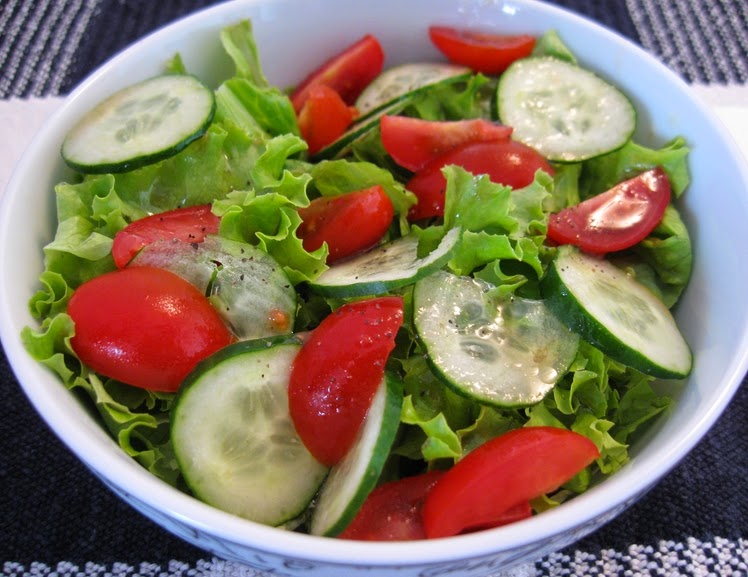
392, 511
503, 473
413, 143
481, 51
337, 371
348, 72
324, 117
349, 223
616, 219
189, 224
506, 162
145, 327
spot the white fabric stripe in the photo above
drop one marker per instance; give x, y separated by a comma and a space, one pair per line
12, 24
28, 32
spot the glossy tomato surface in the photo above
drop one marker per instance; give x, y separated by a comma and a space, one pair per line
505, 162
504, 473
348, 72
324, 117
349, 223
337, 371
189, 224
413, 143
144, 326
616, 219
484, 52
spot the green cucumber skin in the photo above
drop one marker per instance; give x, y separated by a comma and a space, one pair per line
389, 428
568, 309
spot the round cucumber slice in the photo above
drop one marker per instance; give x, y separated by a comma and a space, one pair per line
565, 112
353, 478
505, 352
140, 125
233, 436
615, 313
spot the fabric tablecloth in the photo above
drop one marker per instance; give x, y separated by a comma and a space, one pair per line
56, 518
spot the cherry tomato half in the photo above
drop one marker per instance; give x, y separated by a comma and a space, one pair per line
481, 51
501, 474
348, 73
616, 219
413, 143
349, 223
189, 224
337, 371
323, 117
505, 162
144, 326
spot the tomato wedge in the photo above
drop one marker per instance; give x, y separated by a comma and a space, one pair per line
348, 72
484, 52
505, 162
349, 223
324, 117
504, 473
413, 143
337, 371
616, 219
189, 224
144, 326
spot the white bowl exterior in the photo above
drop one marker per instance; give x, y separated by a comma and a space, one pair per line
713, 313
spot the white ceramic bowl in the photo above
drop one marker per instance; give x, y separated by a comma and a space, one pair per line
294, 36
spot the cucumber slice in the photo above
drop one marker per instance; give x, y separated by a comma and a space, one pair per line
565, 112
615, 313
387, 267
246, 285
233, 436
351, 480
140, 125
506, 352
406, 79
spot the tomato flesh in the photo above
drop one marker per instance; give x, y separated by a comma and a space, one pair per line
324, 117
337, 371
484, 52
392, 511
349, 223
504, 473
413, 143
348, 72
505, 162
616, 219
145, 327
189, 224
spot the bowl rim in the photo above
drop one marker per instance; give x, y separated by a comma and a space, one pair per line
155, 494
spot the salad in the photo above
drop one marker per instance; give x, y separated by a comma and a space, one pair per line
393, 303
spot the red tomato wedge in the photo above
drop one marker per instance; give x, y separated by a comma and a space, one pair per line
505, 162
189, 224
616, 219
392, 511
337, 371
504, 473
144, 326
324, 117
413, 143
484, 52
349, 223
348, 73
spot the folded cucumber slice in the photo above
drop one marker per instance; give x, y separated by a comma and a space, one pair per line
615, 313
506, 352
247, 286
140, 125
233, 437
351, 480
385, 268
565, 112
406, 79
